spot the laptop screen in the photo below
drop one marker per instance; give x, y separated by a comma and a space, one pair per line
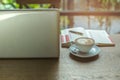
29, 33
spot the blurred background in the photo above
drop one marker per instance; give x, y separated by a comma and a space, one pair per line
109, 23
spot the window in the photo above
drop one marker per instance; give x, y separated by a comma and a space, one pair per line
95, 14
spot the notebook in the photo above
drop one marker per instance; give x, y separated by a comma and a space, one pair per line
29, 33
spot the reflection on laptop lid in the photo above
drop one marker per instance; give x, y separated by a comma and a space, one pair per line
29, 34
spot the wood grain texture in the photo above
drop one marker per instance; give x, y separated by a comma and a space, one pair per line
89, 13
106, 67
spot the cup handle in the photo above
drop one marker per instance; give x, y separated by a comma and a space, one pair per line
73, 43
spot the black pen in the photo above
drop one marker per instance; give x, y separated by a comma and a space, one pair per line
79, 33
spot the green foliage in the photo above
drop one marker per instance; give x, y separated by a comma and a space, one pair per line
46, 5
8, 1
15, 4
11, 4
108, 4
34, 6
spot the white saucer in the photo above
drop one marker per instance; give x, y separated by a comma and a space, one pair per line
76, 52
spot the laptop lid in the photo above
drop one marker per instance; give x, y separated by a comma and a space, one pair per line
29, 33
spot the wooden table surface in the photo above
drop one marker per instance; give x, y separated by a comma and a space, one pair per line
106, 67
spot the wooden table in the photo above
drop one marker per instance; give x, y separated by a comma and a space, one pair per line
106, 67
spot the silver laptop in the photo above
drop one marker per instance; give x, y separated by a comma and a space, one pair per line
29, 34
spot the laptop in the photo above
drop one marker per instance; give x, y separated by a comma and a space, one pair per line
29, 33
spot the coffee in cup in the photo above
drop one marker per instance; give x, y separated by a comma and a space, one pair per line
84, 44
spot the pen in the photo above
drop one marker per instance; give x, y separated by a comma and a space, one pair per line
79, 33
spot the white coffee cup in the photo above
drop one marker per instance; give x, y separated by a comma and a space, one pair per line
84, 44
